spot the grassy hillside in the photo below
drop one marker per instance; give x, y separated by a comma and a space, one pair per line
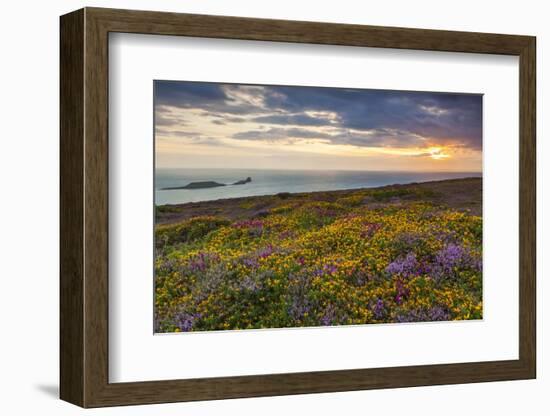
393, 254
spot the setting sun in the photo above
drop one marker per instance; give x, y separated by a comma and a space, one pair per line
211, 125
437, 153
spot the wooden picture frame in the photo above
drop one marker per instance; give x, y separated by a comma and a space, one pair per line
84, 207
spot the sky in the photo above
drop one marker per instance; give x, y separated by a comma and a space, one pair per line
216, 125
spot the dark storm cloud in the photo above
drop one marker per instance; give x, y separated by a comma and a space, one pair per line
451, 118
186, 94
210, 97
362, 117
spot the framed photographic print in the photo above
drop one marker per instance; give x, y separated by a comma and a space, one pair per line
257, 207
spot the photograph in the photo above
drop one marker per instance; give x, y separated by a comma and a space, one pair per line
281, 206
275, 204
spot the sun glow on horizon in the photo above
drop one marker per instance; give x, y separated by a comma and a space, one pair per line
437, 153
207, 124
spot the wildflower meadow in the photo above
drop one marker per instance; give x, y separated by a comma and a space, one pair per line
389, 255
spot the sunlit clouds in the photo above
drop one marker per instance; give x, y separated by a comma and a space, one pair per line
211, 125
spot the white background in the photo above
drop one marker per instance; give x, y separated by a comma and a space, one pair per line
135, 355
29, 213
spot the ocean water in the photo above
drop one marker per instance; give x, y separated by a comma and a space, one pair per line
269, 182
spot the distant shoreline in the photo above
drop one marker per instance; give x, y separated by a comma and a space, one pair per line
460, 193
191, 187
319, 192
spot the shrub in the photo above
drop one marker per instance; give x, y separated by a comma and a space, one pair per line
187, 231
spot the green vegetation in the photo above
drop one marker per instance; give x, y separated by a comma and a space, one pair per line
333, 258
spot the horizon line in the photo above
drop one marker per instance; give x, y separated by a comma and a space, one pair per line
324, 170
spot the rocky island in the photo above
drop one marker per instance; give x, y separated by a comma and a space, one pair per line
197, 185
243, 181
206, 184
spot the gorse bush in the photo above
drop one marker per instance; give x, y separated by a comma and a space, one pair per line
312, 263
385, 194
190, 230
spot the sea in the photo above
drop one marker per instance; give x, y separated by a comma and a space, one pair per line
269, 182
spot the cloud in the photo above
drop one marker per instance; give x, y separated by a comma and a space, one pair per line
294, 119
192, 138
450, 117
367, 138
184, 94
175, 133
212, 98
280, 134
162, 120
357, 117
434, 154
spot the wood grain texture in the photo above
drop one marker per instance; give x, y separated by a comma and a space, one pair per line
84, 207
527, 207
96, 208
71, 100
162, 23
